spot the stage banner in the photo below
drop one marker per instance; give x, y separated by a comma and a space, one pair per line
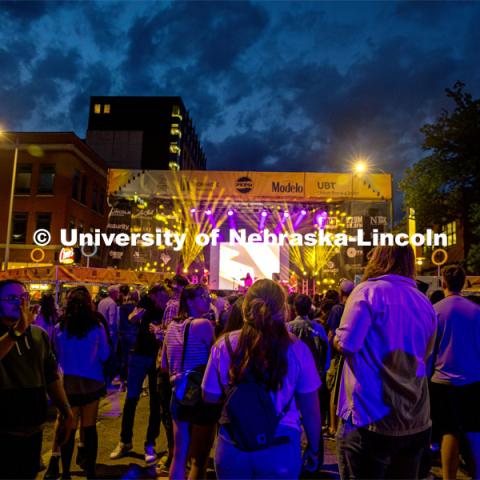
249, 186
372, 186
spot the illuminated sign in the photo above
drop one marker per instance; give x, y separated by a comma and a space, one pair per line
66, 256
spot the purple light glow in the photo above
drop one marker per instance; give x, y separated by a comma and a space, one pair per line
321, 219
208, 212
230, 213
299, 218
264, 213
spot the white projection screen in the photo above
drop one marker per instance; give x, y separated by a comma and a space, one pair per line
235, 261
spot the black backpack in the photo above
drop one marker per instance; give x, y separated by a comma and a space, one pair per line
249, 415
317, 345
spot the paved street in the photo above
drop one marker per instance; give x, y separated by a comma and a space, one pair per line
133, 466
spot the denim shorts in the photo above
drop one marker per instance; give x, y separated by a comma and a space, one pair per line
279, 461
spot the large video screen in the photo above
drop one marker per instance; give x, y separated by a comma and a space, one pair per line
259, 259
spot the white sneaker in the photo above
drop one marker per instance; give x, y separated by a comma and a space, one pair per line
121, 450
150, 455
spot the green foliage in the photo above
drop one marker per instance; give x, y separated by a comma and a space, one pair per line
444, 184
473, 258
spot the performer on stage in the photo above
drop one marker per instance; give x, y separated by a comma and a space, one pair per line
247, 281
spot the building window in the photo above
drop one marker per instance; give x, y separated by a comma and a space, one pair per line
44, 221
97, 108
174, 148
106, 108
23, 179
76, 184
95, 198
19, 227
450, 229
46, 179
175, 130
101, 201
176, 112
83, 195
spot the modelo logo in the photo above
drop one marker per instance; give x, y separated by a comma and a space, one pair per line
326, 185
278, 187
244, 184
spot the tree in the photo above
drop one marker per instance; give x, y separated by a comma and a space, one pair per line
445, 185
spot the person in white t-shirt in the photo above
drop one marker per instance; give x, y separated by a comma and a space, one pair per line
264, 348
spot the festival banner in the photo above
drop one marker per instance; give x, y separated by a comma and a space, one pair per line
250, 186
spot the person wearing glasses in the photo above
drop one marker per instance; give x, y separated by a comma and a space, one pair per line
28, 372
186, 348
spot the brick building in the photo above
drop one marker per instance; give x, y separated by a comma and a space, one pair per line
60, 183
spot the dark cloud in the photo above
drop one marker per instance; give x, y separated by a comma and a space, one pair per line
24, 11
429, 13
302, 86
58, 64
202, 39
105, 33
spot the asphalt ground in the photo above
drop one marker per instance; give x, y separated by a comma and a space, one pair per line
133, 466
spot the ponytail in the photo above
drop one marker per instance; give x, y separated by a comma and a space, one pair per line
264, 339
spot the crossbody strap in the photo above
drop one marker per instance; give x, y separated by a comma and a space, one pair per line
185, 340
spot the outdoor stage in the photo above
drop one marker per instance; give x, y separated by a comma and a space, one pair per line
198, 202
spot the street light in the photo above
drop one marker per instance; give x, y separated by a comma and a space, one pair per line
360, 167
12, 196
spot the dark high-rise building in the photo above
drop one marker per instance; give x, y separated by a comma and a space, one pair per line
148, 133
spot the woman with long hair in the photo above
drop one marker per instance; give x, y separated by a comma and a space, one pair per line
82, 348
186, 348
264, 350
47, 318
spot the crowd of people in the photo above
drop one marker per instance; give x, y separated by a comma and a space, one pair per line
263, 376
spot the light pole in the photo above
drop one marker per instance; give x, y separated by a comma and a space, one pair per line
361, 167
358, 168
10, 205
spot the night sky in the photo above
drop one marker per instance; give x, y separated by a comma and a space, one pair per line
302, 86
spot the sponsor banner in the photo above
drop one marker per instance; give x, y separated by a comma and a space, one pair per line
119, 221
369, 186
250, 186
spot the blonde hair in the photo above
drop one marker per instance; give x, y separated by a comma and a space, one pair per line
390, 259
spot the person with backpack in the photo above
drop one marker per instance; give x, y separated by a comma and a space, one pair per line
185, 352
268, 384
311, 333
314, 336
